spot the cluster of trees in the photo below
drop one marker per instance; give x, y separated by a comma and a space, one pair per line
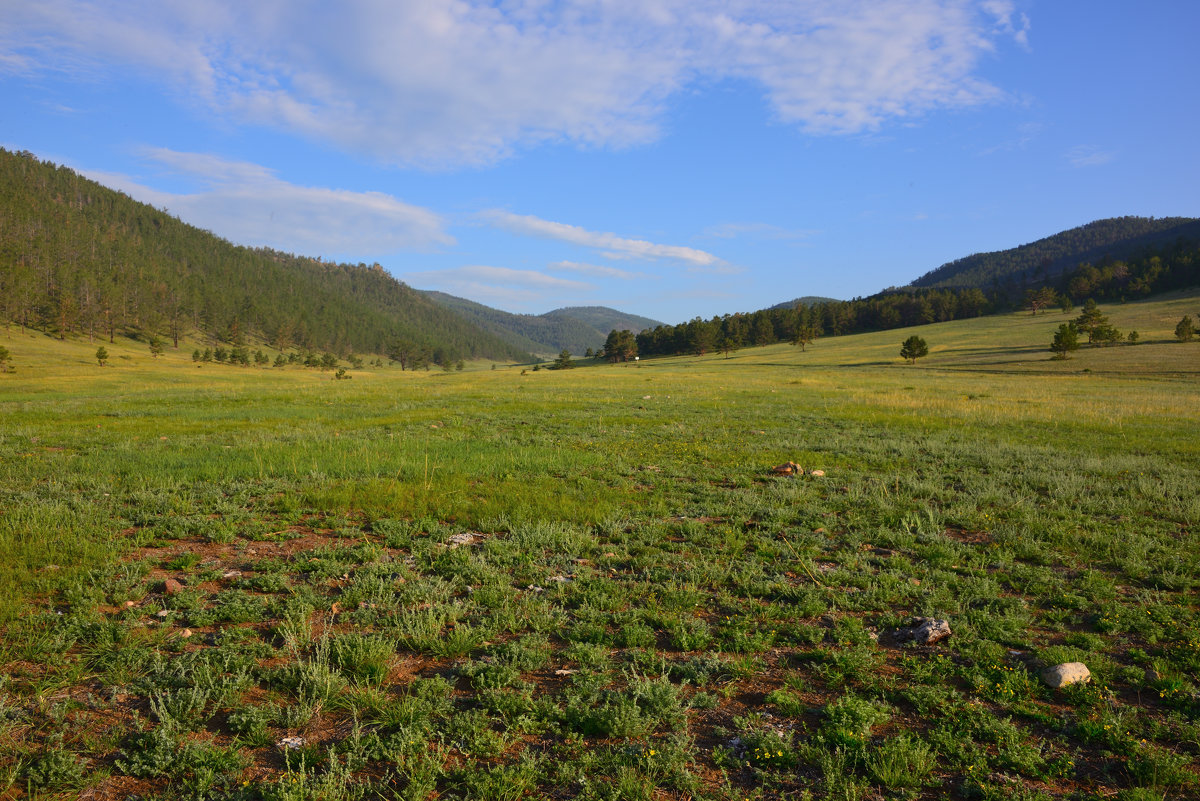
620, 346
1095, 325
802, 324
83, 260
1157, 269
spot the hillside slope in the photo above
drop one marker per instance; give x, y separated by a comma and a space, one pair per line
79, 258
1037, 262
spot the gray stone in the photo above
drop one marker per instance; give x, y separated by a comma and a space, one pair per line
1066, 673
922, 631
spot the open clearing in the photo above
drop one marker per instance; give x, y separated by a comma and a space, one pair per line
225, 582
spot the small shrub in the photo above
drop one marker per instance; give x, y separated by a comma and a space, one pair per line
902, 761
57, 768
849, 719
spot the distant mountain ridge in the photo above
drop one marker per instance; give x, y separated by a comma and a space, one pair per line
574, 328
1037, 262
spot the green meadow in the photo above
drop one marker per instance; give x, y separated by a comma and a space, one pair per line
505, 583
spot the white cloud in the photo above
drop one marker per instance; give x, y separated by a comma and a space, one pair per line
435, 82
248, 204
598, 270
611, 245
1089, 156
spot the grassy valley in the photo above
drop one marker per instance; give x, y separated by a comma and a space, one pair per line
226, 582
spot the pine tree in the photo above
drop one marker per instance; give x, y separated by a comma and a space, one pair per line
1185, 329
914, 348
1091, 321
101, 355
563, 362
1066, 339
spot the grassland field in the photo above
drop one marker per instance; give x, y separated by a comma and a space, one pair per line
500, 583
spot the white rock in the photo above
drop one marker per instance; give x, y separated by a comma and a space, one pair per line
931, 630
291, 743
1066, 673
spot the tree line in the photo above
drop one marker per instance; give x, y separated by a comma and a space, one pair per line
802, 324
1156, 268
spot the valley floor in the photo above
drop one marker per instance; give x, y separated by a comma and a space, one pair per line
228, 582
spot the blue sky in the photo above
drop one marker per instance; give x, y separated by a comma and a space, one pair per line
671, 158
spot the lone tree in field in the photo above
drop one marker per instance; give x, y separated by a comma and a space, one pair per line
101, 355
914, 348
1185, 329
1066, 339
156, 347
5, 355
804, 335
563, 362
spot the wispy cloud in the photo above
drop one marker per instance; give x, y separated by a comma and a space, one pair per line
757, 230
439, 83
1025, 133
598, 270
1089, 156
500, 286
610, 245
248, 204
1009, 21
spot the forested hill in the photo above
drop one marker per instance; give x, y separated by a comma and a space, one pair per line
574, 329
603, 319
77, 258
1116, 238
